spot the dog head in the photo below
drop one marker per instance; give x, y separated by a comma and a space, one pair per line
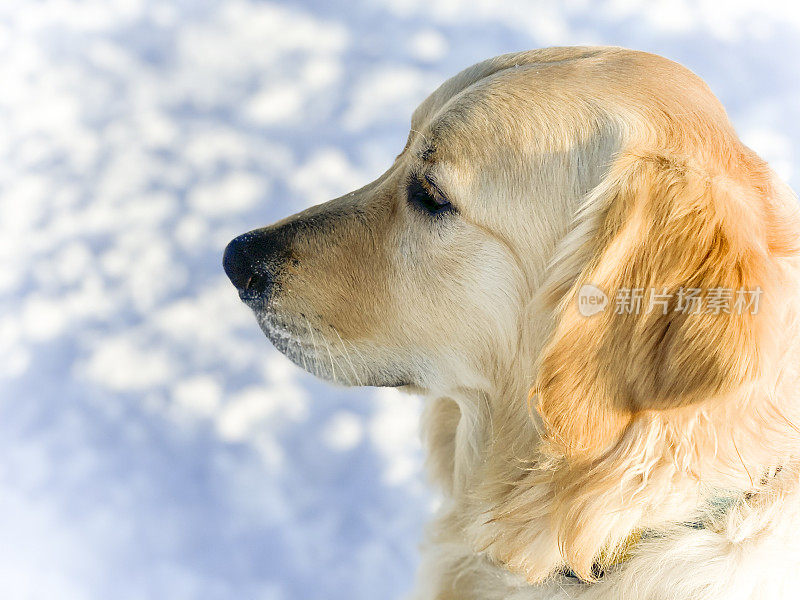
528, 180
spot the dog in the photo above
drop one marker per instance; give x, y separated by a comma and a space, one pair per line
594, 285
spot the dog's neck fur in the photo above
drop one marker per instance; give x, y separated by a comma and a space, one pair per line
510, 504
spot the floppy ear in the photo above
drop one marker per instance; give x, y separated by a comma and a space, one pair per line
662, 226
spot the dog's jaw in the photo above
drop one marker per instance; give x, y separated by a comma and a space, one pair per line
309, 346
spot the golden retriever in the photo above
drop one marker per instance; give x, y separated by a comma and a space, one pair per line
594, 284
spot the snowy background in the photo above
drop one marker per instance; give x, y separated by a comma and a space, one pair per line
152, 443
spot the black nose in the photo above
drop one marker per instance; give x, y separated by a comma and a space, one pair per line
250, 262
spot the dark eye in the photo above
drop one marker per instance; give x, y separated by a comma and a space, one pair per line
427, 198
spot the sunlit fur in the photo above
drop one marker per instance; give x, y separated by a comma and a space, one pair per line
556, 439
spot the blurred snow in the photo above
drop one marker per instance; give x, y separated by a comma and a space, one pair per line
153, 444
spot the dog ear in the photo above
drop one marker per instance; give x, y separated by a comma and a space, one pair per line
687, 262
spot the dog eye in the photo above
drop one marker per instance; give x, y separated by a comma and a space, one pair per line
426, 197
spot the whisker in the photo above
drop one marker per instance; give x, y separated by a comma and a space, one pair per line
313, 338
347, 356
422, 135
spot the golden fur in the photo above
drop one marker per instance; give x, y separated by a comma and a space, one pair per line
556, 437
